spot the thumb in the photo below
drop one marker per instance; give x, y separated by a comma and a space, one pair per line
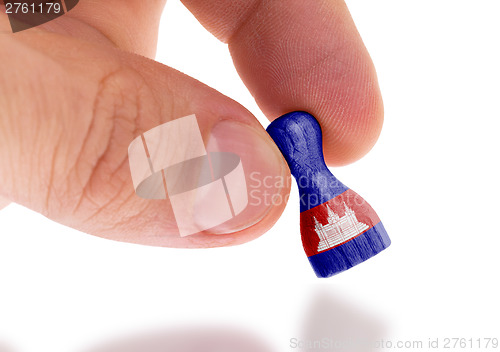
3, 203
69, 109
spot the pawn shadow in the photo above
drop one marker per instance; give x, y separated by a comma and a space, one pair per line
335, 323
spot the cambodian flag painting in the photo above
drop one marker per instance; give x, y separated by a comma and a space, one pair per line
341, 232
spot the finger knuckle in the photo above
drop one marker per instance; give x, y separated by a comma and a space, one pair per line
101, 177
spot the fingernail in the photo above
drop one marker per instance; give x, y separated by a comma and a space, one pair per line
250, 170
221, 187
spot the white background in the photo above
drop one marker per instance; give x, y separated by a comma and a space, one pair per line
432, 178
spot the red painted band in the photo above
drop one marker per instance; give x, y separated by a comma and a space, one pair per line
335, 222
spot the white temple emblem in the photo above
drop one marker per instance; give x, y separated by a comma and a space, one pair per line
338, 229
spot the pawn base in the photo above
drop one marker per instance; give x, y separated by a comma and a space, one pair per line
351, 253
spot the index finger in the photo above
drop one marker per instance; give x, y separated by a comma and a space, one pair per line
303, 55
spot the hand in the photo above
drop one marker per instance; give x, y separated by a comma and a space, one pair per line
76, 91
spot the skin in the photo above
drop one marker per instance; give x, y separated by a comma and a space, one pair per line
78, 89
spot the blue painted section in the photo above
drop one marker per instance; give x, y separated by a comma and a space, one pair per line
353, 252
298, 136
